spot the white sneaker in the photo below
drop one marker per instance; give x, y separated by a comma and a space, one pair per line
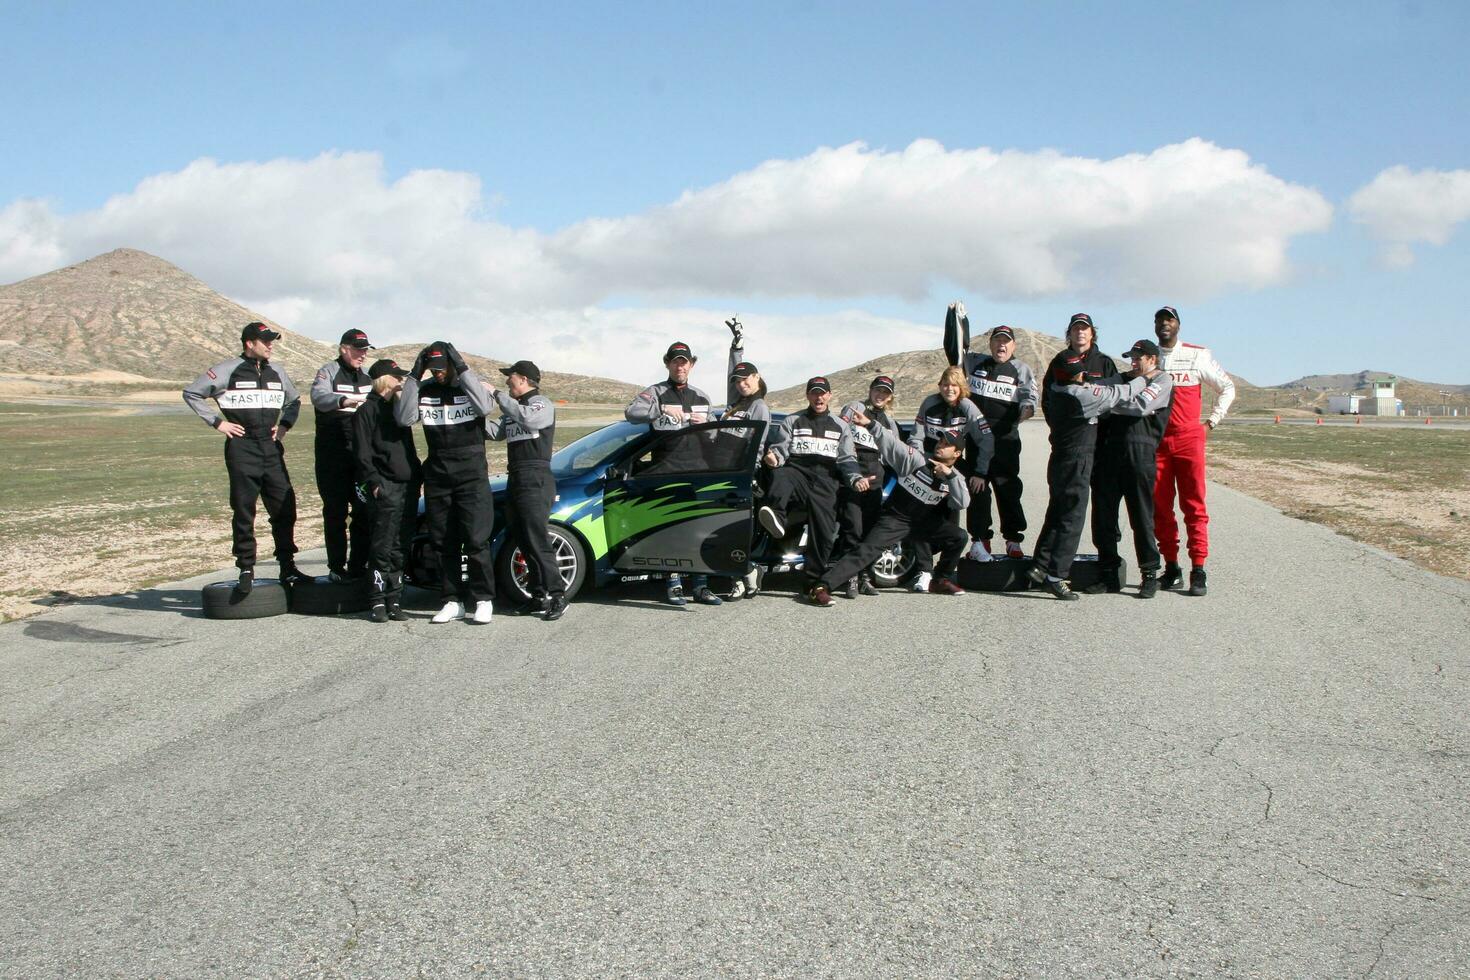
484, 611
450, 612
771, 521
921, 584
978, 552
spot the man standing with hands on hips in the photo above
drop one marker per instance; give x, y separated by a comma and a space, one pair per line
458, 506
340, 387
257, 404
1181, 459
527, 426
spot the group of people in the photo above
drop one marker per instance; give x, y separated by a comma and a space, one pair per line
1130, 437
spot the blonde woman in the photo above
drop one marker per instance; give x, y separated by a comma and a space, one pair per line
386, 464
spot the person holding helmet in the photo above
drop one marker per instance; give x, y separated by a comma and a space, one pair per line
1181, 460
1126, 467
667, 406
859, 505
340, 388
257, 405
930, 492
458, 506
811, 455
745, 398
1004, 389
949, 412
527, 425
388, 480
1076, 404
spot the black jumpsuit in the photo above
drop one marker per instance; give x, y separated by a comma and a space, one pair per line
813, 449
336, 468
528, 427
387, 467
1127, 464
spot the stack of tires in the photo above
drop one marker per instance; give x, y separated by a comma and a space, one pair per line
269, 597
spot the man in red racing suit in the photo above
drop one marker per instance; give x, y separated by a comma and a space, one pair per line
1181, 458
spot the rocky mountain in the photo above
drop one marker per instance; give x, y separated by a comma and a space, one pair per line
555, 385
131, 313
916, 372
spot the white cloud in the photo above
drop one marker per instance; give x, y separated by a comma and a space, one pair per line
1402, 207
331, 240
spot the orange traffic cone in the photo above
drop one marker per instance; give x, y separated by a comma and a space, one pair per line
1319, 420
1278, 420
1357, 420
1428, 419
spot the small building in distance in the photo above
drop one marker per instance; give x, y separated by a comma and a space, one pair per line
1343, 404
1382, 400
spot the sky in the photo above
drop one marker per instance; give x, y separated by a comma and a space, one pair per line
582, 184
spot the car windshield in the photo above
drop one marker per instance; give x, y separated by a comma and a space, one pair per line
594, 448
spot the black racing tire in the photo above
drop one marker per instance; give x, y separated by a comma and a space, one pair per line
996, 575
323, 597
1087, 572
892, 567
571, 557
221, 601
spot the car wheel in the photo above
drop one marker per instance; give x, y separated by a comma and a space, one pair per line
892, 567
323, 597
513, 576
221, 601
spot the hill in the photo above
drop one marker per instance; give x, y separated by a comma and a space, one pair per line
915, 372
131, 312
558, 386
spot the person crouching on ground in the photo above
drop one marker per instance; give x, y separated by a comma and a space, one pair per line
388, 476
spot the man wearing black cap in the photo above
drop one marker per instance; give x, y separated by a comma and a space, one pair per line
388, 479
1126, 465
666, 406
1076, 406
1005, 391
812, 454
340, 387
527, 425
458, 506
257, 405
860, 504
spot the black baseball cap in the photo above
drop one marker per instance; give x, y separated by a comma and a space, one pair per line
678, 349
743, 370
950, 438
355, 338
1167, 311
1003, 331
525, 369
255, 330
1081, 318
818, 383
1069, 367
436, 359
385, 366
882, 381
1142, 347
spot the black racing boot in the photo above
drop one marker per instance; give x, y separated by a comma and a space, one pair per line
1149, 587
851, 590
865, 585
396, 613
1173, 576
1196, 580
380, 614
555, 606
1058, 588
247, 581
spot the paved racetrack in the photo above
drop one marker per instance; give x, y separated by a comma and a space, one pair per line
1270, 781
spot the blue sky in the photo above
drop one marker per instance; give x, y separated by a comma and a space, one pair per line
578, 112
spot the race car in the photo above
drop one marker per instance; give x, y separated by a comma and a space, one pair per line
633, 505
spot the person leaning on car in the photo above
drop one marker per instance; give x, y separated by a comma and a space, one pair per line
527, 425
388, 477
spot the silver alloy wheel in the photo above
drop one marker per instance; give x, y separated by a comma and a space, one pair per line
567, 559
892, 566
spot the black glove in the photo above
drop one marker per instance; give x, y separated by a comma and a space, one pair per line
455, 358
419, 366
736, 330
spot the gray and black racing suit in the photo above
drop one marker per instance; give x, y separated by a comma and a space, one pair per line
921, 508
333, 397
685, 455
527, 425
737, 406
816, 456
458, 505
937, 417
256, 395
1074, 411
1001, 390
857, 510
1127, 463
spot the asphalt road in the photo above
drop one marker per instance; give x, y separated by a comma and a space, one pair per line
1267, 782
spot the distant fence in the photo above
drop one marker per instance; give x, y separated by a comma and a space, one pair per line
1448, 411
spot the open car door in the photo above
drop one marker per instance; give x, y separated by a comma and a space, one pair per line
683, 504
